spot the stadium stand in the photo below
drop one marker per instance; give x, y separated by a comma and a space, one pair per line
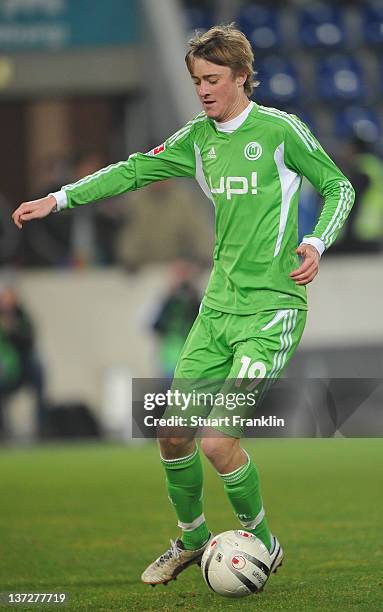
320, 60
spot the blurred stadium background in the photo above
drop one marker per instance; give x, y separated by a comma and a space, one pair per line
92, 298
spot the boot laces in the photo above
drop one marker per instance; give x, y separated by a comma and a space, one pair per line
172, 552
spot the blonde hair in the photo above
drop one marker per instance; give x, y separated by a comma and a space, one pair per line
224, 45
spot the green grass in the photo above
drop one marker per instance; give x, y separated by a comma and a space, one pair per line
86, 520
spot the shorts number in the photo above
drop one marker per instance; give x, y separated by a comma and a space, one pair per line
256, 371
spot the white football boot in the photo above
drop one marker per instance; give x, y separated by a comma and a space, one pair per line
174, 561
276, 555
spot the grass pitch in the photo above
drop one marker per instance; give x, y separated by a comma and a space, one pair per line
87, 519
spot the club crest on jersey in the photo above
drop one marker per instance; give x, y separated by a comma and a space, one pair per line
253, 151
157, 150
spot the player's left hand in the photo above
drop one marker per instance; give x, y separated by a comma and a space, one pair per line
309, 268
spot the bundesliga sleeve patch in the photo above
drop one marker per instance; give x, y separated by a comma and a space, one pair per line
157, 150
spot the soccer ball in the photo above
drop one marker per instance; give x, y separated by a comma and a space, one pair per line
236, 564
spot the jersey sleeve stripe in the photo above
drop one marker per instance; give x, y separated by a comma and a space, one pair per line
342, 209
337, 211
295, 124
95, 175
304, 129
178, 133
342, 217
184, 130
309, 143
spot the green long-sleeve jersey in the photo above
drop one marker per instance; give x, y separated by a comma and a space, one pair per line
253, 177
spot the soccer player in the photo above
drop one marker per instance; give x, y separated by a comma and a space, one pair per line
249, 160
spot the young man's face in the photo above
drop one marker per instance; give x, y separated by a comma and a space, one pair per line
221, 93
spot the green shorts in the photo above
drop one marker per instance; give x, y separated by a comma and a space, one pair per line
227, 354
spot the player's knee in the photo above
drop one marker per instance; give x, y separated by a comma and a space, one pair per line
219, 451
175, 447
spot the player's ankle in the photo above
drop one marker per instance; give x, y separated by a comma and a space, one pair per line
192, 540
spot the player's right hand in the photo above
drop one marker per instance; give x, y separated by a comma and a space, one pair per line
36, 209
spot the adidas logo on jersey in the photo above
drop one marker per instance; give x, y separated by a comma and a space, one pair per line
212, 154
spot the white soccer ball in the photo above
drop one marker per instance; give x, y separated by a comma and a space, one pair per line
236, 564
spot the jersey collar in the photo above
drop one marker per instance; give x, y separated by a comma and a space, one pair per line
250, 110
228, 127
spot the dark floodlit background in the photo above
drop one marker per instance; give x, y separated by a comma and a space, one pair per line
91, 298
94, 297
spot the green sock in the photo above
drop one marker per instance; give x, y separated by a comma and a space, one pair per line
243, 490
184, 479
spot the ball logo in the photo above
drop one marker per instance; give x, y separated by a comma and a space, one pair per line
253, 151
238, 562
245, 534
